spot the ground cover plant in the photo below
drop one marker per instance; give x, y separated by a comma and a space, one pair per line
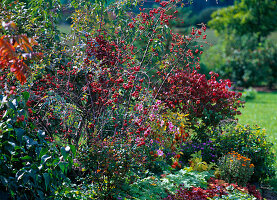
117, 108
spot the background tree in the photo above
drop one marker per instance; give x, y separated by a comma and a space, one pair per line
246, 17
246, 55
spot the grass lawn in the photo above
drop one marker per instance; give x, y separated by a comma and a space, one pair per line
263, 112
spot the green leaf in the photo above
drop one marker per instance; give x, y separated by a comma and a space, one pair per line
12, 144
20, 176
7, 130
64, 153
14, 160
26, 158
73, 150
43, 151
45, 158
11, 105
19, 133
4, 180
5, 114
17, 148
63, 167
26, 95
46, 177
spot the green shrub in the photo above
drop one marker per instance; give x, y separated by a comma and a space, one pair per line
236, 168
249, 94
249, 141
30, 166
153, 187
82, 191
244, 60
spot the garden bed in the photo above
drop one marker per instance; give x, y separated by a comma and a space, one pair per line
123, 112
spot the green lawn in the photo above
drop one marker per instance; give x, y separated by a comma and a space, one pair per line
263, 112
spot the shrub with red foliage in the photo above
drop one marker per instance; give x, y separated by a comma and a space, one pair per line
216, 183
254, 191
196, 193
216, 188
98, 90
250, 189
203, 99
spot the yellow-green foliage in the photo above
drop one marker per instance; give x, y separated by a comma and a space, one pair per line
246, 16
197, 164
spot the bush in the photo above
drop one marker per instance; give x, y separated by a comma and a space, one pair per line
246, 61
248, 141
236, 168
102, 93
197, 163
234, 191
191, 146
31, 166
207, 101
205, 15
249, 94
107, 164
195, 193
153, 187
